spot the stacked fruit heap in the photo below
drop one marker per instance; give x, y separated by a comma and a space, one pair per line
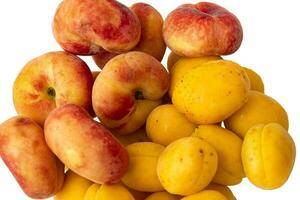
160, 132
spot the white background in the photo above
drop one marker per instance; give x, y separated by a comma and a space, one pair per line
271, 47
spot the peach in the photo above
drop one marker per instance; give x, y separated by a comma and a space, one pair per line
103, 57
151, 41
84, 145
129, 87
95, 74
86, 27
25, 152
202, 29
49, 81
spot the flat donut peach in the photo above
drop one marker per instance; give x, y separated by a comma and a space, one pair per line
151, 41
52, 80
129, 87
86, 27
202, 29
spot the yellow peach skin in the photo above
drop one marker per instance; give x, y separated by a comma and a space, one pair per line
184, 65
129, 87
259, 108
85, 27
91, 192
229, 147
206, 195
141, 174
222, 189
162, 196
113, 192
25, 152
268, 155
256, 82
187, 166
165, 125
49, 81
211, 93
74, 187
84, 145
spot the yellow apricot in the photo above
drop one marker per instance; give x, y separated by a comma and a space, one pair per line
259, 108
113, 192
187, 166
222, 189
268, 155
184, 65
162, 196
91, 192
74, 187
141, 174
212, 92
256, 83
165, 125
206, 195
228, 146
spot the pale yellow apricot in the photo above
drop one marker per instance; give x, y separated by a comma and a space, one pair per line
212, 92
206, 195
187, 166
165, 125
184, 65
141, 174
162, 196
268, 155
91, 192
256, 83
113, 192
259, 108
222, 189
74, 187
228, 146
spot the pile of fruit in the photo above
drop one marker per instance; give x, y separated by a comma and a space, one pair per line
183, 133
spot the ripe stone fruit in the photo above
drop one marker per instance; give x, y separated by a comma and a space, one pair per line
230, 169
268, 155
259, 109
84, 145
142, 175
26, 154
187, 166
165, 125
211, 93
86, 27
202, 29
49, 81
74, 187
129, 87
